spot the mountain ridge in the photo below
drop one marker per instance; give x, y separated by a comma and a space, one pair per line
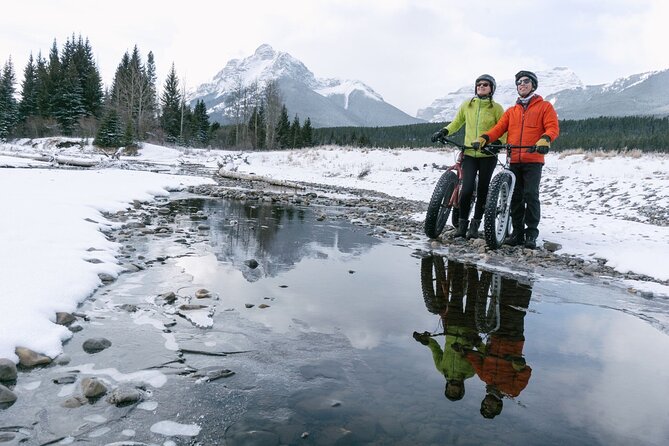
637, 94
327, 102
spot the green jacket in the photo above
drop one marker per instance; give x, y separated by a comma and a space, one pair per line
451, 364
478, 117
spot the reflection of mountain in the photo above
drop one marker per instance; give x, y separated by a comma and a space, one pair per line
277, 237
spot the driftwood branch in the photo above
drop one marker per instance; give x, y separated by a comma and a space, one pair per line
246, 176
58, 159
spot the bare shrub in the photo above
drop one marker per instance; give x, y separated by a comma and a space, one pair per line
366, 170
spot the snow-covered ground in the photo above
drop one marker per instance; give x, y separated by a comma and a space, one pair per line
53, 224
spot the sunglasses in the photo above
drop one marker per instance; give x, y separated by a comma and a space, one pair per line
482, 84
523, 81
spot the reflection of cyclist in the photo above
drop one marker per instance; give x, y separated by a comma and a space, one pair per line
459, 330
478, 115
500, 363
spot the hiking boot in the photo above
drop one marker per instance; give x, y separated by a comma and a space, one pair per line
517, 238
462, 228
473, 231
531, 242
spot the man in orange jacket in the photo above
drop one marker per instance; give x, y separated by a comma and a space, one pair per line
530, 122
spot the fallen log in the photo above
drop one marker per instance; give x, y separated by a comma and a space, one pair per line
250, 177
77, 162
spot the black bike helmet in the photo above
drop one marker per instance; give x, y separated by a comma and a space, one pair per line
489, 78
532, 76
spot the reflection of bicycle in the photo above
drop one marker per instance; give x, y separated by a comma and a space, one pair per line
434, 283
445, 198
487, 302
437, 280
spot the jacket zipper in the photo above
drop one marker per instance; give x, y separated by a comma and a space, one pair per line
522, 127
478, 114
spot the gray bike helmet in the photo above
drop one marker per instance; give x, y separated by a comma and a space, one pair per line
489, 78
532, 76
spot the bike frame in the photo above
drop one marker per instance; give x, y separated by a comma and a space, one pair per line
457, 168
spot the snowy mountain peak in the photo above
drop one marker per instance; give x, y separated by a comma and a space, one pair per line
624, 83
265, 51
264, 65
347, 102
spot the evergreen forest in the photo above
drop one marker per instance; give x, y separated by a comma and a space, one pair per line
646, 133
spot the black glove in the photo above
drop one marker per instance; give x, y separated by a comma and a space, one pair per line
543, 145
423, 338
439, 135
480, 142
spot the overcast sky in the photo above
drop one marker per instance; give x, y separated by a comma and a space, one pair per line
409, 51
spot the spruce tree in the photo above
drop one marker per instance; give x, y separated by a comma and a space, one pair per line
200, 123
43, 91
89, 77
151, 105
307, 134
69, 103
28, 104
295, 133
109, 133
8, 107
283, 129
170, 101
54, 78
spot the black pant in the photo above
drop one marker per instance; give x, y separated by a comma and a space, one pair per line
485, 167
525, 206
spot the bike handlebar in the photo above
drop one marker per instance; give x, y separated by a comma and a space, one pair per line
486, 148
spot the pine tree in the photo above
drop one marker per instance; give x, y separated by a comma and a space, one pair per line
69, 102
28, 104
151, 105
43, 92
170, 101
109, 133
54, 78
200, 123
307, 134
8, 107
89, 76
283, 129
295, 133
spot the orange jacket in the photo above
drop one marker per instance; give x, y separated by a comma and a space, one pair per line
495, 366
524, 127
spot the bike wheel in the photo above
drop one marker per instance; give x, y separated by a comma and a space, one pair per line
439, 208
487, 302
497, 211
432, 281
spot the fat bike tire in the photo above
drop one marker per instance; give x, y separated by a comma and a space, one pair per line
497, 217
487, 314
439, 209
432, 281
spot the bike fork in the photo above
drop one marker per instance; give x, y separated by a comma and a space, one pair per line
508, 200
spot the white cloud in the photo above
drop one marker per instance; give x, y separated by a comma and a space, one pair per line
410, 52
